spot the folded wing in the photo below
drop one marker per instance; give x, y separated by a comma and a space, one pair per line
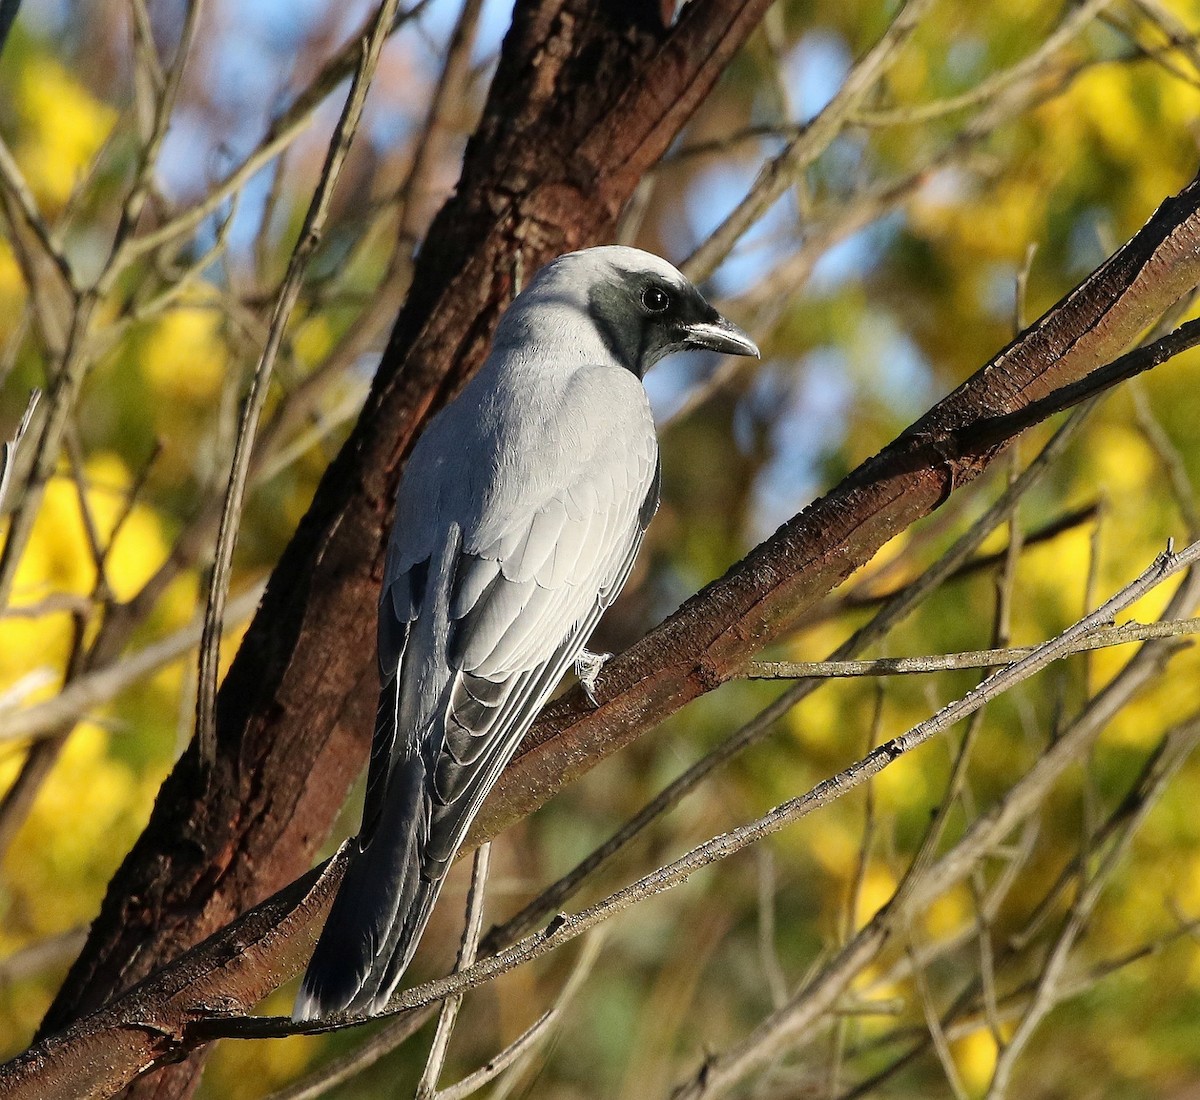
474, 636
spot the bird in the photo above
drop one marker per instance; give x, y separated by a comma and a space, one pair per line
518, 517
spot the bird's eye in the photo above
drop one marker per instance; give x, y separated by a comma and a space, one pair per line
655, 299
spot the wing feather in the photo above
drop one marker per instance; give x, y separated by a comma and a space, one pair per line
482, 629
597, 552
543, 534
452, 817
495, 580
475, 575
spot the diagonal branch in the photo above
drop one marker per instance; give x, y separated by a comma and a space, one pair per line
231, 512
713, 636
167, 1015
8, 449
293, 713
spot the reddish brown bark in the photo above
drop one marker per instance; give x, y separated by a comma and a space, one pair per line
760, 596
547, 170
587, 96
720, 628
99, 1054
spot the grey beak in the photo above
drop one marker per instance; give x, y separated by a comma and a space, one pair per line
721, 335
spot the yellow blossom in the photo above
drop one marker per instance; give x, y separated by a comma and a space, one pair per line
184, 357
65, 125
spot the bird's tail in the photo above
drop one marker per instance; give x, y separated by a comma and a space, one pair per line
380, 910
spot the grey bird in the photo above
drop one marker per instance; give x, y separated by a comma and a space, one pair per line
517, 522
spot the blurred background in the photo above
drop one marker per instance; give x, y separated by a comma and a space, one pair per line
1005, 151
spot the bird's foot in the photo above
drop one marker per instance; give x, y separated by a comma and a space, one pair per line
587, 668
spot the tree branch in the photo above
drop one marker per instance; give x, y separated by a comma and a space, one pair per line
716, 632
191, 1002
585, 98
548, 169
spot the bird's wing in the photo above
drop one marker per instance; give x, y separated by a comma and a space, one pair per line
523, 606
479, 618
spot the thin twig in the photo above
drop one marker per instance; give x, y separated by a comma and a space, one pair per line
937, 1033
563, 929
1001, 819
768, 950
455, 72
19, 191
8, 452
100, 685
1047, 992
777, 175
854, 896
894, 610
282, 133
310, 235
393, 1034
1168, 456
763, 1044
427, 1086
962, 1017
989, 89
1102, 638
521, 1047
62, 392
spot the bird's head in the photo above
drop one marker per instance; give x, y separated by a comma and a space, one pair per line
641, 307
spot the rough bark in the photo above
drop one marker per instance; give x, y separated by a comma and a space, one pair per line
587, 96
711, 636
720, 628
763, 594
102, 1052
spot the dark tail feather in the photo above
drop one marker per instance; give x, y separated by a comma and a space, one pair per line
380, 909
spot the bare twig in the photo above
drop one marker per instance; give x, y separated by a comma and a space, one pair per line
391, 1035
721, 1072
46, 954
455, 72
310, 235
62, 392
100, 685
148, 153
565, 928
854, 897
989, 829
1049, 984
282, 133
427, 1086
1101, 638
1169, 458
8, 451
988, 90
521, 1047
964, 1014
937, 1032
17, 189
896, 608
768, 950
867, 595
778, 174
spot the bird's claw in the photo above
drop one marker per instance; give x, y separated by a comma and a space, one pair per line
587, 668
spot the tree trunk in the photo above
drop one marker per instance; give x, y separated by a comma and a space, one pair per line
587, 96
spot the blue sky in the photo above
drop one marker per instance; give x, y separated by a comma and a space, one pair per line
250, 46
